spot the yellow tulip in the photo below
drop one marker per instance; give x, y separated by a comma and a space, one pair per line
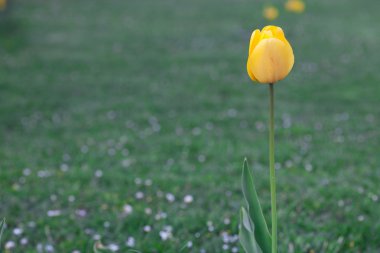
296, 6
270, 13
270, 56
3, 4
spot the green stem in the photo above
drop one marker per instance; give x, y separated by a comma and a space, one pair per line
272, 169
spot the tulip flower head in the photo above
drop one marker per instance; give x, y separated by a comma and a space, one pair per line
297, 6
3, 4
270, 13
270, 56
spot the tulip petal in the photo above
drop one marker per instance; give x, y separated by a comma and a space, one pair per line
249, 69
255, 38
271, 60
277, 32
266, 35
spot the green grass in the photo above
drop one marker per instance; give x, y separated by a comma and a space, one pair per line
156, 91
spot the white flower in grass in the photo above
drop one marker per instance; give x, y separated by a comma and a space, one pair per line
148, 182
139, 195
54, 213
130, 242
127, 209
64, 167
161, 215
147, 228
170, 197
138, 181
96, 237
81, 213
49, 248
188, 199
225, 237
98, 173
165, 235
113, 247
126, 163
31, 224
210, 226
201, 158
40, 247
24, 241
71, 198
26, 172
10, 245
168, 228
17, 231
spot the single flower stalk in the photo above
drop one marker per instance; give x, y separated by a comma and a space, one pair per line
270, 59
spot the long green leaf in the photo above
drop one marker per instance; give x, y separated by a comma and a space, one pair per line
247, 234
262, 235
2, 227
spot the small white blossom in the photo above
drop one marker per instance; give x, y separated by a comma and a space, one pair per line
188, 199
17, 231
165, 235
54, 213
24, 241
49, 248
130, 242
98, 173
10, 244
170, 197
113, 247
139, 195
128, 209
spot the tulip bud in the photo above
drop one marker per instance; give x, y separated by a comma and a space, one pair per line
270, 56
297, 6
270, 13
3, 4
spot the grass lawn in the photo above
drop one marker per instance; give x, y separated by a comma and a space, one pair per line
128, 121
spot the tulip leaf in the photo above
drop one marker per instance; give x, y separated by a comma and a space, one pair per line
2, 227
261, 231
247, 234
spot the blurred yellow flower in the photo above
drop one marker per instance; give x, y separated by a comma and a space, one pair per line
3, 4
270, 56
297, 6
270, 12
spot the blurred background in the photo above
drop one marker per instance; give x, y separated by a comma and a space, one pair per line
127, 122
